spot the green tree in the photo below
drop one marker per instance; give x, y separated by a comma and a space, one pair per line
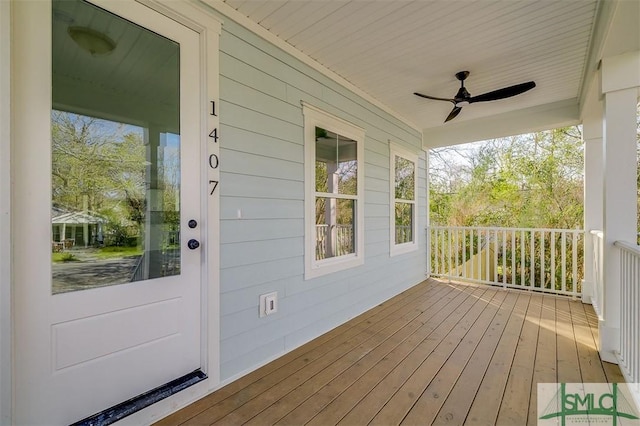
533, 180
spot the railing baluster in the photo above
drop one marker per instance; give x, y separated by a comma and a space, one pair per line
457, 249
479, 253
442, 254
523, 242
513, 257
435, 243
553, 261
543, 281
564, 259
487, 246
449, 263
471, 257
533, 259
504, 258
495, 256
464, 247
574, 261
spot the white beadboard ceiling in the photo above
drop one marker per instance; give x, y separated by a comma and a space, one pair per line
392, 48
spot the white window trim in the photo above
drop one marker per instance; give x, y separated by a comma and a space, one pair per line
397, 249
315, 117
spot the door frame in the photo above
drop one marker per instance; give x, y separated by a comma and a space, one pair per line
208, 27
6, 317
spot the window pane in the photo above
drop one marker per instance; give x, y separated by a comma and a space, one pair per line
405, 179
335, 227
115, 130
404, 223
336, 163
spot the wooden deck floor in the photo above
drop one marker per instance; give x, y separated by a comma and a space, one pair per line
438, 353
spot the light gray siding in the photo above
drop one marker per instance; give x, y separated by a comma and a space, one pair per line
262, 181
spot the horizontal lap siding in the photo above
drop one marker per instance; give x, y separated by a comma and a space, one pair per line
262, 204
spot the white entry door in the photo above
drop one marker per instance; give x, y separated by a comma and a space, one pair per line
107, 201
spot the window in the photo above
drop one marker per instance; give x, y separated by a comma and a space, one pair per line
403, 206
334, 189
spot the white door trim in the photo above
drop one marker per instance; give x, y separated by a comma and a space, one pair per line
5, 214
200, 19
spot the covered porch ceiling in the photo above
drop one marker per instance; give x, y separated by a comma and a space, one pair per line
390, 49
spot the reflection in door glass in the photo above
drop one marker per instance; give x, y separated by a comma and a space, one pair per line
115, 214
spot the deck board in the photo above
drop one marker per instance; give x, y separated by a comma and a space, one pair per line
438, 353
455, 408
485, 411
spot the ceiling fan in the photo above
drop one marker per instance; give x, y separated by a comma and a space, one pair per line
463, 97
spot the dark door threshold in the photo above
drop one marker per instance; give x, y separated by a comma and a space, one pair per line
126, 408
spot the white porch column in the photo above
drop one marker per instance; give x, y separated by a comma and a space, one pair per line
331, 211
593, 181
154, 220
620, 82
427, 210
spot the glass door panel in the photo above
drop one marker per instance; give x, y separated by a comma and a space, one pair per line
115, 212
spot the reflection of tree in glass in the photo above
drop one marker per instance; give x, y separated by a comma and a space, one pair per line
95, 158
99, 166
347, 177
404, 190
405, 179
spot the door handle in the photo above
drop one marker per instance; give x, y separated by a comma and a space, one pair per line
193, 244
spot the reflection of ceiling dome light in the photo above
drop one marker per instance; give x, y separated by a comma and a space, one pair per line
92, 41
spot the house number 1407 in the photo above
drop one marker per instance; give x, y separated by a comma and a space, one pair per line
214, 161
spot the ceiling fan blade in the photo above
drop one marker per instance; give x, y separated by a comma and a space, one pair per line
434, 98
506, 92
454, 113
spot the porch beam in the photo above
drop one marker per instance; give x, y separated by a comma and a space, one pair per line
620, 82
527, 120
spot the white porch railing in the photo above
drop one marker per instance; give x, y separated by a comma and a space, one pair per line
597, 298
546, 260
629, 356
167, 259
140, 270
344, 243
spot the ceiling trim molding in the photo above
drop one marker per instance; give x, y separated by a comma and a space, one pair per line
527, 120
233, 14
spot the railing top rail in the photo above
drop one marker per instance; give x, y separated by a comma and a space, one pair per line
597, 233
629, 247
496, 228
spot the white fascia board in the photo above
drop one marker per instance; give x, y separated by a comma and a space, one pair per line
541, 117
238, 17
599, 31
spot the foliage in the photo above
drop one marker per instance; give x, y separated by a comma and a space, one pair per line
533, 180
104, 163
107, 169
526, 181
64, 257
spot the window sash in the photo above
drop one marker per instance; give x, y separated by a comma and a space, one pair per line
315, 267
401, 239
